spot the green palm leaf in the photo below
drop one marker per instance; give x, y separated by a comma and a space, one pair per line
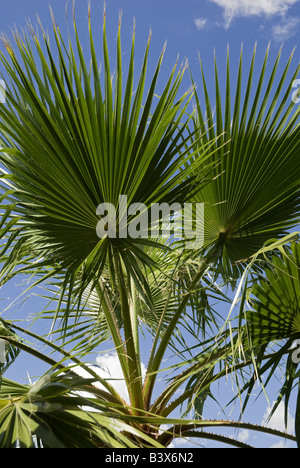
255, 194
51, 414
9, 352
71, 141
275, 300
167, 283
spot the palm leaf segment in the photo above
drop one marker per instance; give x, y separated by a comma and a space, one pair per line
255, 194
53, 413
276, 300
70, 143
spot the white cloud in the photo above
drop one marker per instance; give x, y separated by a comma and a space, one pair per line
286, 29
246, 8
280, 445
108, 367
200, 23
188, 442
277, 420
244, 435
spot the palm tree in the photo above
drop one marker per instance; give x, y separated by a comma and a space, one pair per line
71, 143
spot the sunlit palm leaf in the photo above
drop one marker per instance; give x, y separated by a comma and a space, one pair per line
71, 140
255, 194
51, 414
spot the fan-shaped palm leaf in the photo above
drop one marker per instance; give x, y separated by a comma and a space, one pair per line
71, 142
255, 194
53, 414
276, 300
274, 317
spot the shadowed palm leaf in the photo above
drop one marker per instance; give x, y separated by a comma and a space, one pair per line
276, 300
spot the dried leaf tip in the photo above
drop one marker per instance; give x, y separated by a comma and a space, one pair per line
17, 35
31, 29
120, 19
66, 10
55, 25
41, 26
185, 65
6, 43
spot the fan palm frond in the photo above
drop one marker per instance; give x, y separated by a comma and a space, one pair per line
73, 140
275, 300
255, 194
53, 413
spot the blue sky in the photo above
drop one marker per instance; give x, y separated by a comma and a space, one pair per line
190, 27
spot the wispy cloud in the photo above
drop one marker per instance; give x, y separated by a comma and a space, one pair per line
285, 29
200, 23
245, 8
